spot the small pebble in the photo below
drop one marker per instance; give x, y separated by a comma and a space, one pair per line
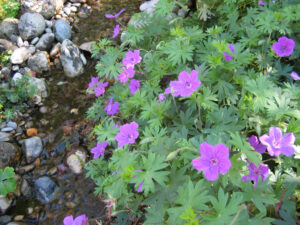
15, 68
48, 30
73, 9
43, 109
7, 129
20, 42
49, 23
35, 40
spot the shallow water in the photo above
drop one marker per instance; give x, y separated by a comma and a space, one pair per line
62, 99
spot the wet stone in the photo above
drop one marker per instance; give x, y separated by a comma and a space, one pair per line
45, 189
25, 188
4, 203
5, 136
5, 219
62, 30
9, 154
32, 148
7, 129
12, 125
31, 25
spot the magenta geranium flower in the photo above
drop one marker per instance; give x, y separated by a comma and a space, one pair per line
99, 149
79, 220
94, 80
116, 31
253, 141
132, 58
262, 171
100, 89
126, 74
186, 84
226, 55
128, 134
277, 143
116, 15
213, 160
171, 91
284, 47
161, 98
134, 86
112, 107
261, 3
294, 75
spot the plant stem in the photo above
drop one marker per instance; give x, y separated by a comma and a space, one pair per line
175, 104
237, 215
200, 122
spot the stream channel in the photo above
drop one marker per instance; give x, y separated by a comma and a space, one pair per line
75, 195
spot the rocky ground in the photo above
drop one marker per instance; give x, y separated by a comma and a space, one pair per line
48, 143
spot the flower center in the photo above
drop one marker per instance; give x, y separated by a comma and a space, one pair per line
214, 161
276, 144
188, 84
130, 137
256, 172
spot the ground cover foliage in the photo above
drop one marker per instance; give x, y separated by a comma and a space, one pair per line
209, 130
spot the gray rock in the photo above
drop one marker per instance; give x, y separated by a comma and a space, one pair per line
7, 129
5, 71
5, 136
83, 59
4, 203
6, 45
35, 40
39, 62
31, 49
46, 8
70, 59
46, 189
87, 46
17, 223
55, 50
41, 88
148, 6
20, 42
9, 154
62, 30
73, 9
8, 27
76, 161
5, 219
49, 23
20, 55
80, 1
32, 148
48, 30
25, 188
45, 42
84, 12
31, 25
12, 124
67, 10
15, 68
16, 77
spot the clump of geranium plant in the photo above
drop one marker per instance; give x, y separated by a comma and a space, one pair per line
239, 108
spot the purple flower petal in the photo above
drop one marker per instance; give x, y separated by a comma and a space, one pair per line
99, 149
140, 187
262, 171
80, 220
116, 15
134, 86
116, 31
68, 220
294, 75
261, 3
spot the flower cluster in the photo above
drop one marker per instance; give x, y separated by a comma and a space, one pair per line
186, 84
129, 62
112, 107
97, 87
262, 171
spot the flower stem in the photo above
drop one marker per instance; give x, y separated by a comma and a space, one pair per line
199, 114
175, 104
237, 215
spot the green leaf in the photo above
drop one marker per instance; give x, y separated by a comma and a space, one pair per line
245, 148
8, 181
150, 173
178, 51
